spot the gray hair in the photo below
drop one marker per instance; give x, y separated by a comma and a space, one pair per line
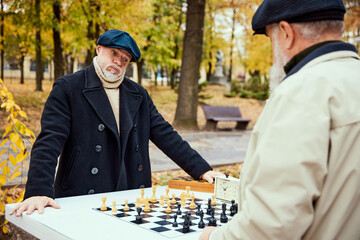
315, 30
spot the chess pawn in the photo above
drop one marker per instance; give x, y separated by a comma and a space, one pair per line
167, 198
142, 199
138, 218
103, 205
168, 209
161, 203
198, 210
182, 199
114, 209
173, 201
213, 203
126, 207
187, 192
201, 223
192, 204
153, 198
137, 203
175, 224
147, 205
223, 217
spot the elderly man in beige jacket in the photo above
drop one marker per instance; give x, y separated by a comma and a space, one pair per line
301, 177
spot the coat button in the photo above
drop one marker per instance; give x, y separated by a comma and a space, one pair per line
141, 186
98, 148
91, 191
94, 171
140, 168
101, 127
137, 148
134, 128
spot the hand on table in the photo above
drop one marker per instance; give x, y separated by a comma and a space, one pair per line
210, 176
206, 233
34, 203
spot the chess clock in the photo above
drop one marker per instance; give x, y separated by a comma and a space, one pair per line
227, 188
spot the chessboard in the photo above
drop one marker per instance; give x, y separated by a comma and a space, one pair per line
161, 222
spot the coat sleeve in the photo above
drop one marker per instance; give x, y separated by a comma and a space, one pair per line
170, 142
55, 128
284, 171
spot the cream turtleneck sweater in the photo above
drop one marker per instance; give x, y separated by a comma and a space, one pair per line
112, 91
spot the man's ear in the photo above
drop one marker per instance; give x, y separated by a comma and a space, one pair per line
98, 48
287, 34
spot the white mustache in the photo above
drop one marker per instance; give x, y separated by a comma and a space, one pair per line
114, 66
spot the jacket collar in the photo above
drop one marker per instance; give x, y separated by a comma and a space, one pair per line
328, 48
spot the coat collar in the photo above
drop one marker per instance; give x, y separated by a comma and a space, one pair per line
328, 48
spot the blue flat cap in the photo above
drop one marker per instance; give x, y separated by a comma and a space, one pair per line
119, 39
274, 11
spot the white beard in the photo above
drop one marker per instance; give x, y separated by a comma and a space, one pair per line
110, 76
277, 72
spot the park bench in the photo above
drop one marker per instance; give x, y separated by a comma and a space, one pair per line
213, 114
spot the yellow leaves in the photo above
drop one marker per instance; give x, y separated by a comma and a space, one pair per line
2, 152
21, 157
2, 180
3, 142
6, 170
22, 114
4, 228
7, 130
14, 137
2, 207
12, 160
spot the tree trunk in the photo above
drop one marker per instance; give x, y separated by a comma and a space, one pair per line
58, 57
139, 65
2, 41
22, 69
39, 65
186, 110
93, 30
232, 40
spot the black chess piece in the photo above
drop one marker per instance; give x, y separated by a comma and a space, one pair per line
178, 212
138, 217
201, 223
175, 224
212, 220
223, 217
233, 210
189, 216
186, 224
198, 206
208, 210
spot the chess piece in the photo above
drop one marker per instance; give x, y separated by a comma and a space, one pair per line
147, 205
168, 209
153, 198
213, 203
173, 201
166, 198
208, 210
201, 223
138, 218
212, 220
189, 215
161, 203
186, 224
175, 224
192, 204
233, 210
114, 209
198, 209
142, 196
103, 205
182, 199
126, 207
137, 203
188, 192
223, 217
178, 212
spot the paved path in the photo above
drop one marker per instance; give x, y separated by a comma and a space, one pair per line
218, 148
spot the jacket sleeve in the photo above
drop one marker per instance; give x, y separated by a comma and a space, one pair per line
170, 142
55, 128
283, 175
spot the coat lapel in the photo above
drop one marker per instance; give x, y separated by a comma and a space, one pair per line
97, 98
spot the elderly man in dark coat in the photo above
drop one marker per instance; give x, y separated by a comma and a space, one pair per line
100, 123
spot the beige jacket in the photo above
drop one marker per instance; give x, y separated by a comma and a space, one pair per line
301, 177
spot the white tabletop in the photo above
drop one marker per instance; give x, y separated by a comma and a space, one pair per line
77, 220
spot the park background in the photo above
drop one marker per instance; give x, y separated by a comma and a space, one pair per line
41, 40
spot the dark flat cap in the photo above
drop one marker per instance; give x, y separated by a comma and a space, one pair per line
274, 11
119, 39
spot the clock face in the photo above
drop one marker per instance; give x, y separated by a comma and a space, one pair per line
227, 189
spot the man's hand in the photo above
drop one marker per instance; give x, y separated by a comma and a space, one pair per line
34, 203
210, 175
206, 233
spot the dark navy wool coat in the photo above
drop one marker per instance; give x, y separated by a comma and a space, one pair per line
78, 125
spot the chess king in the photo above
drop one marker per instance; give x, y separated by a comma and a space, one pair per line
301, 174
99, 122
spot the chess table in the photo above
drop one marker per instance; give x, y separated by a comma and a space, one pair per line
79, 219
